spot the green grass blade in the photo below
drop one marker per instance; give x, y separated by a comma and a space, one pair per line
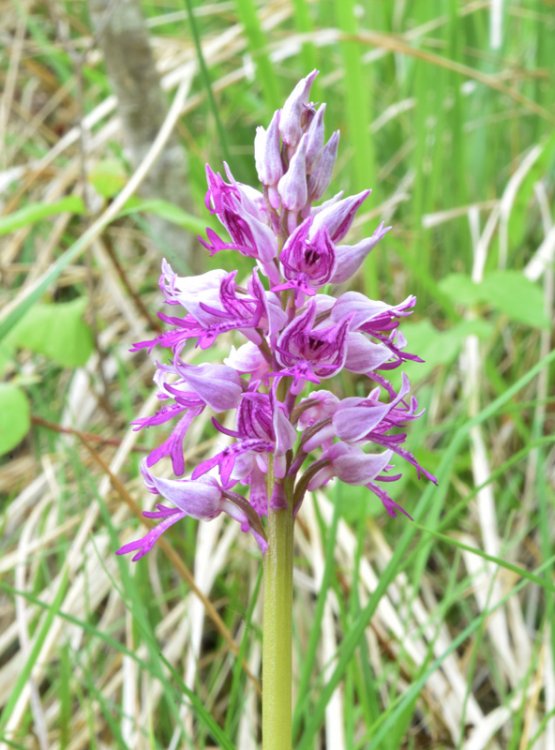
309, 655
207, 81
265, 74
385, 722
34, 652
400, 558
35, 212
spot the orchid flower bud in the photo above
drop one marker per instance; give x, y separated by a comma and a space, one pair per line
315, 137
320, 177
292, 187
290, 127
267, 153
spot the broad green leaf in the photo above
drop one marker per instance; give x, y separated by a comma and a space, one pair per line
461, 289
37, 211
56, 330
15, 416
507, 292
511, 293
165, 210
6, 354
108, 177
438, 347
435, 347
478, 327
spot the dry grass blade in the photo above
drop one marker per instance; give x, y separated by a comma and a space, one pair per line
173, 557
89, 437
110, 213
397, 44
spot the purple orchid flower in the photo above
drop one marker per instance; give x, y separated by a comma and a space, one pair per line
308, 263
310, 352
287, 435
262, 429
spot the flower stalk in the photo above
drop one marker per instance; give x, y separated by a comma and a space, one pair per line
277, 642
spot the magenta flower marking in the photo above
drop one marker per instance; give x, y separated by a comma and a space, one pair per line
308, 263
286, 429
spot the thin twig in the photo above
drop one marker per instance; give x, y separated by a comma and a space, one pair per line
40, 422
153, 322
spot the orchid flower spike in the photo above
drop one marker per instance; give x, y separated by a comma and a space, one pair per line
287, 431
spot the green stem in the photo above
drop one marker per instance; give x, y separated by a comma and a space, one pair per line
277, 640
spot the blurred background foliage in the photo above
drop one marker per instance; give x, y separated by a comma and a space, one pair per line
433, 634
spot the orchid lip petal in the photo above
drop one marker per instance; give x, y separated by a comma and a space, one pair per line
143, 546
